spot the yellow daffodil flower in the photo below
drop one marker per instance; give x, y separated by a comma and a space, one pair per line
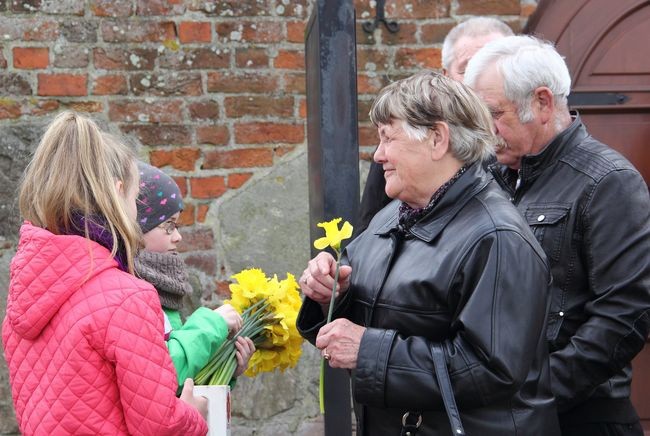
333, 235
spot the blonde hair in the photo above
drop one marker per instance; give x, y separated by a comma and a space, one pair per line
426, 98
74, 170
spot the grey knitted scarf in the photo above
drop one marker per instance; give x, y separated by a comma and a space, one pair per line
167, 273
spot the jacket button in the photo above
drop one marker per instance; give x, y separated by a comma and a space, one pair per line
541, 218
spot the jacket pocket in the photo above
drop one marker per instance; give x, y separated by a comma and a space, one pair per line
549, 222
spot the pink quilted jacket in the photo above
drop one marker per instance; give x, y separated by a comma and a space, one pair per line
84, 343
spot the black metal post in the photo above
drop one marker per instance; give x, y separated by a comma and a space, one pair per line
333, 153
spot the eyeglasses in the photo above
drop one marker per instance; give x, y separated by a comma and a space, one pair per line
169, 226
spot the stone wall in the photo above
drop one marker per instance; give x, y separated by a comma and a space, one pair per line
214, 93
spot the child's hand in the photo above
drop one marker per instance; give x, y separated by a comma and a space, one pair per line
245, 349
231, 316
199, 403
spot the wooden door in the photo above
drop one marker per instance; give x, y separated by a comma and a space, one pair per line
606, 44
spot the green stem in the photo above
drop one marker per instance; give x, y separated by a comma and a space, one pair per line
330, 311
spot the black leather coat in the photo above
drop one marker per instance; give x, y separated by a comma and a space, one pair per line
590, 210
468, 276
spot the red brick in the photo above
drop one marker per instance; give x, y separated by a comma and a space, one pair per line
137, 31
167, 84
290, 60
196, 239
418, 58
124, 59
294, 83
228, 82
258, 106
236, 180
488, 7
63, 7
71, 57
202, 212
302, 108
204, 262
85, 106
160, 7
186, 217
183, 159
216, 135
112, 8
363, 110
368, 135
31, 58
160, 111
242, 158
296, 31
418, 9
223, 288
112, 84
282, 150
43, 107
232, 8
204, 110
207, 187
37, 30
371, 84
9, 109
264, 133
406, 35
198, 58
435, 33
67, 85
3, 61
159, 134
372, 56
363, 37
182, 184
251, 58
194, 31
259, 31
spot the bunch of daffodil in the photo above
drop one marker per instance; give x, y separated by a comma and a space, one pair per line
333, 237
269, 308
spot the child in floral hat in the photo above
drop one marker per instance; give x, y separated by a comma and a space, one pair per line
192, 344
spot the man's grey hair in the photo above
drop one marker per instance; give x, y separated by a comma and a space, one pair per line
525, 63
427, 98
472, 28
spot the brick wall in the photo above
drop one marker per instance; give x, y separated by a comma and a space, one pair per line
213, 91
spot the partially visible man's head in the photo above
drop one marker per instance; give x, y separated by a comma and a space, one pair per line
465, 39
525, 83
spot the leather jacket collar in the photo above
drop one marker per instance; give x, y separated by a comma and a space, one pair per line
533, 165
473, 180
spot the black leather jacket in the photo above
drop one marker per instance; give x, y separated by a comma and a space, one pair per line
590, 210
468, 276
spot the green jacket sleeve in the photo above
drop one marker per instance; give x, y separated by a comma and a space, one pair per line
192, 344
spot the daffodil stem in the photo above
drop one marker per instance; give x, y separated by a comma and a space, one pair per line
330, 310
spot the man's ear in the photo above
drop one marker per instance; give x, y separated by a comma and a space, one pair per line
544, 103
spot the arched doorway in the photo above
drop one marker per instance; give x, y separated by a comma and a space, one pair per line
606, 45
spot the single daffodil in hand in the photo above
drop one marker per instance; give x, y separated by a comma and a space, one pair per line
333, 235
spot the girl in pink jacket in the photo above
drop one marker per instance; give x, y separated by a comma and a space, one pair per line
83, 336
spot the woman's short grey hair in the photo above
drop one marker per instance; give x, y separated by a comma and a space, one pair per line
525, 63
427, 98
473, 28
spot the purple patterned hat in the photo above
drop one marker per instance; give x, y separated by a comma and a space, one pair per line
159, 197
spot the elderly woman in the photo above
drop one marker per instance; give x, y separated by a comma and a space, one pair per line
441, 304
